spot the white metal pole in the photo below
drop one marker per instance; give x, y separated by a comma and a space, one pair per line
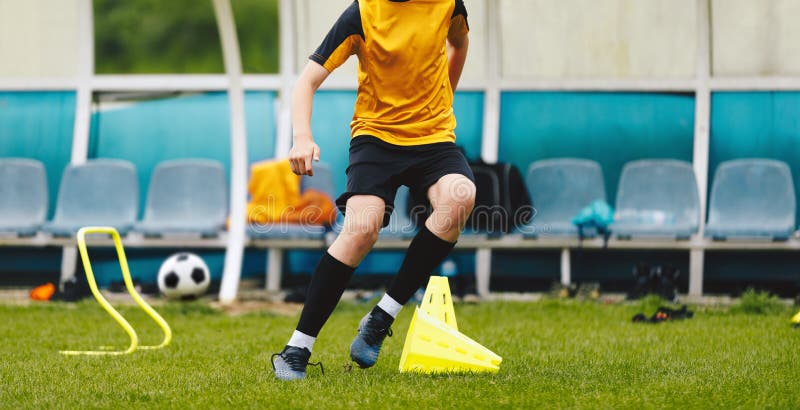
283, 142
83, 98
491, 127
274, 269
566, 267
83, 113
287, 67
702, 119
483, 269
233, 69
491, 103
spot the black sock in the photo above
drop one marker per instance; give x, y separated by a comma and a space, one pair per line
326, 288
425, 253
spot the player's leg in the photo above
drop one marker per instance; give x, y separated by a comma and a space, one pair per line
364, 217
452, 198
448, 181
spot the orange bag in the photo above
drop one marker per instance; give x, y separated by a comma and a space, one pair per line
313, 208
43, 292
275, 197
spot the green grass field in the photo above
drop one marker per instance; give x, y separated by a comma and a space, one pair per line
557, 354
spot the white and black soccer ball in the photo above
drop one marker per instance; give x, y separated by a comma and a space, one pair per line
183, 276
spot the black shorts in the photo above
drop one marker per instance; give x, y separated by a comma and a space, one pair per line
379, 168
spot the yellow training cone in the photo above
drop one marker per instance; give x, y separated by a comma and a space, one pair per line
796, 318
434, 347
438, 303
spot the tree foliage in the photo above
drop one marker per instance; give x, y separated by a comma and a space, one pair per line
180, 36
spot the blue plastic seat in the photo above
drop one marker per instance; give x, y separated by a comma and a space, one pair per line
23, 196
559, 190
752, 198
100, 192
186, 196
657, 198
400, 225
321, 181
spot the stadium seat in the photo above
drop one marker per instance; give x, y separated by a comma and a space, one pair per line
560, 189
752, 198
321, 181
100, 192
657, 198
23, 196
186, 196
400, 226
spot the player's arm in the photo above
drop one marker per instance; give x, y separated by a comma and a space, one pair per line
341, 42
457, 43
304, 149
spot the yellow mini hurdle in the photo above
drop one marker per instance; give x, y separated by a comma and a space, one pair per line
126, 277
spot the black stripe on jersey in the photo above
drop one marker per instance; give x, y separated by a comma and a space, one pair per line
349, 23
460, 10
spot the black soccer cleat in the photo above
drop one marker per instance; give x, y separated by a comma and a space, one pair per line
372, 330
291, 363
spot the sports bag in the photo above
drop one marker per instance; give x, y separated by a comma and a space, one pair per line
502, 202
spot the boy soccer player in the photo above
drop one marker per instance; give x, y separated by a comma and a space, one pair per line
410, 54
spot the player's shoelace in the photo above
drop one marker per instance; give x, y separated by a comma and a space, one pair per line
296, 361
375, 330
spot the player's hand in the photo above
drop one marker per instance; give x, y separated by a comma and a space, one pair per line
302, 153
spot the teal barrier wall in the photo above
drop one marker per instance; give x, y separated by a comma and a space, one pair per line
196, 126
39, 125
610, 128
756, 124
468, 107
36, 125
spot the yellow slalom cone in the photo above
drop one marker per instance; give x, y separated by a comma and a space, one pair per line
126, 276
796, 318
433, 347
438, 302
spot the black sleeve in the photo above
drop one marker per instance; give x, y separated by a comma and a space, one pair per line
460, 10
348, 24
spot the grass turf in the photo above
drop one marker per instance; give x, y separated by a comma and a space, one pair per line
556, 354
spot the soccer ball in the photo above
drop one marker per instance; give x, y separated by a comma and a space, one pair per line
183, 276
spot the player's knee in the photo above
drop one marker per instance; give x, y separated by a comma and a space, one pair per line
452, 215
360, 236
460, 198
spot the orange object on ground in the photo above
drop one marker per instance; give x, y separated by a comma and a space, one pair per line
275, 197
43, 292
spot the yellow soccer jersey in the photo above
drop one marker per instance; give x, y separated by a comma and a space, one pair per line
404, 93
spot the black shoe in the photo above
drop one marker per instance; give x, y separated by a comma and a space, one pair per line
291, 363
75, 289
643, 275
372, 331
667, 288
